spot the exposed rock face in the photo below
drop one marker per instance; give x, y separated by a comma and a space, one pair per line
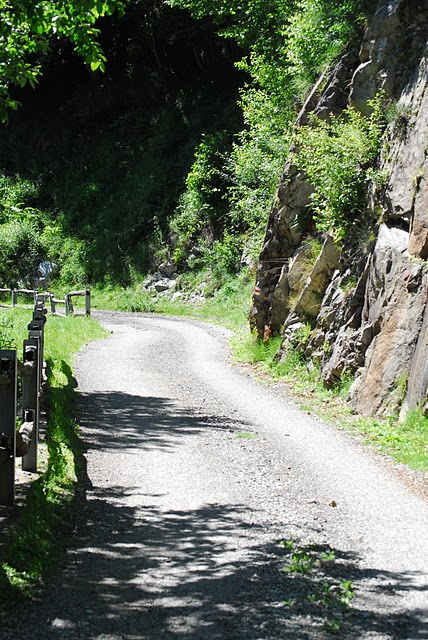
285, 231
417, 387
406, 196
395, 301
368, 304
378, 55
311, 297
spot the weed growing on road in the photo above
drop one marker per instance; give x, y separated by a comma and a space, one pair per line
323, 594
300, 562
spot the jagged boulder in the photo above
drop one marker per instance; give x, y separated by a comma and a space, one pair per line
405, 163
345, 339
377, 70
280, 305
311, 297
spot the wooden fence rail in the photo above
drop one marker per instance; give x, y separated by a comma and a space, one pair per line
53, 301
69, 305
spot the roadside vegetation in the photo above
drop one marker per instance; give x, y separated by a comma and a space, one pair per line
318, 586
41, 523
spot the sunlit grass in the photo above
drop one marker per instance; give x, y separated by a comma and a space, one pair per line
229, 303
40, 530
405, 442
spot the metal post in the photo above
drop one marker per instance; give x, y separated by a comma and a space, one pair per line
36, 330
30, 400
39, 300
8, 391
38, 335
14, 296
38, 322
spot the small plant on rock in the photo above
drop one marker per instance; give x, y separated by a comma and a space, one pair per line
337, 156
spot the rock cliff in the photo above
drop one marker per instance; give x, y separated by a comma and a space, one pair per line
365, 298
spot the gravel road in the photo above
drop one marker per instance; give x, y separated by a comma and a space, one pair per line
195, 473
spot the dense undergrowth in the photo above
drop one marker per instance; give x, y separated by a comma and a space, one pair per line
178, 158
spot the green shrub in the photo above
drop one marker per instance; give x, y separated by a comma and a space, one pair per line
224, 255
7, 335
203, 203
17, 197
337, 156
72, 261
21, 250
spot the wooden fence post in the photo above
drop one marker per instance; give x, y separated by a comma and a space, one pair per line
88, 302
68, 305
8, 391
31, 400
52, 302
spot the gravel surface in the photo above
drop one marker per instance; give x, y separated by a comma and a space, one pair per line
204, 490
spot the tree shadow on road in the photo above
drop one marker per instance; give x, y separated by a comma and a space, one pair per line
139, 572
216, 572
119, 420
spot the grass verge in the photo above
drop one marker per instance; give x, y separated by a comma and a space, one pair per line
405, 442
41, 523
198, 297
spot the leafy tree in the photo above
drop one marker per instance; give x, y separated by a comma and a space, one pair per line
27, 28
202, 207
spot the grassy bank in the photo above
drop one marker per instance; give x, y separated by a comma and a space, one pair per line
41, 524
200, 295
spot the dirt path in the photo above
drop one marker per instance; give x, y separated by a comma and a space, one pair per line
194, 474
